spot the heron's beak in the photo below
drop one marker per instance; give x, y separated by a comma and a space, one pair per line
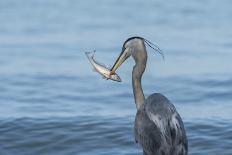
122, 57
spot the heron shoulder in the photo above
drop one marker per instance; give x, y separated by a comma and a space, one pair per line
158, 103
157, 97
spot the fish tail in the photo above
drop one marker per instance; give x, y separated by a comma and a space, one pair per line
90, 56
88, 53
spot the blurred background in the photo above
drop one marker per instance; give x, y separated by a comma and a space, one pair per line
53, 103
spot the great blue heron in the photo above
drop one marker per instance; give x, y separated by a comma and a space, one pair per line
158, 126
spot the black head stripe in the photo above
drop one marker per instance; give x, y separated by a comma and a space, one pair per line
131, 38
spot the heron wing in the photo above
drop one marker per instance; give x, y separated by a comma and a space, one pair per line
159, 128
146, 133
178, 135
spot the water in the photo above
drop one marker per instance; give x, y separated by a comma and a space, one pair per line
52, 103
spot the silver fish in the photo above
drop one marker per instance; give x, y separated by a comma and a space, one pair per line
104, 71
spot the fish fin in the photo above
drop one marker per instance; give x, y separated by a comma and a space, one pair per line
103, 77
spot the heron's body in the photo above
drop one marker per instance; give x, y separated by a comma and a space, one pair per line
158, 126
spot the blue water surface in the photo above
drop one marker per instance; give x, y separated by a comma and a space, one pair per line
52, 103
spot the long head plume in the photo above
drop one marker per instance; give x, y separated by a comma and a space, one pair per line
150, 44
154, 47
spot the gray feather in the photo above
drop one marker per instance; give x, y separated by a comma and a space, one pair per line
159, 128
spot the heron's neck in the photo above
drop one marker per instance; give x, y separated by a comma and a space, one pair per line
137, 87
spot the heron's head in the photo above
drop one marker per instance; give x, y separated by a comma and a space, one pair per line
133, 46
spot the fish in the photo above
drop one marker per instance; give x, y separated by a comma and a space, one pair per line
101, 69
